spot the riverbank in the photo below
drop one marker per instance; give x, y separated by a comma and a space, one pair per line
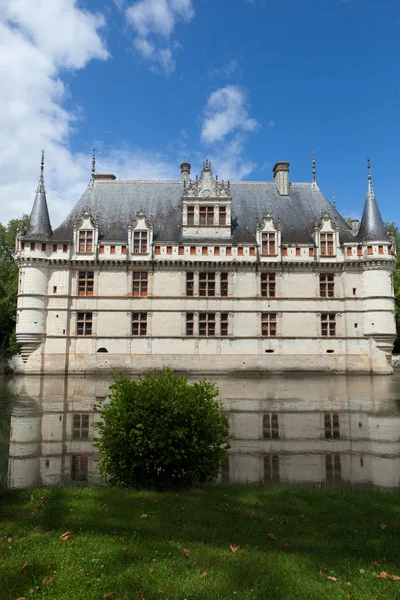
216, 542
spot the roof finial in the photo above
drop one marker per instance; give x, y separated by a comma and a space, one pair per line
334, 201
369, 168
370, 190
93, 162
314, 168
41, 179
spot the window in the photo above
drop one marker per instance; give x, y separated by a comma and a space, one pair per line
333, 467
354, 291
85, 242
268, 283
169, 249
139, 283
189, 324
123, 249
380, 249
140, 242
54, 247
359, 251
224, 324
298, 251
189, 284
207, 324
228, 251
65, 248
326, 241
332, 426
85, 283
206, 215
222, 215
369, 250
181, 250
192, 249
311, 252
190, 215
240, 251
327, 285
271, 467
101, 250
206, 284
216, 250
23, 246
139, 323
44, 247
268, 324
32, 246
54, 289
204, 250
157, 250
349, 251
268, 246
112, 249
84, 323
270, 426
252, 251
328, 324
80, 426
224, 284
79, 467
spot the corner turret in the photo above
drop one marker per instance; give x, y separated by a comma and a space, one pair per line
372, 228
39, 227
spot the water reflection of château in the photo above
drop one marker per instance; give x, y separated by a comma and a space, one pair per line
339, 431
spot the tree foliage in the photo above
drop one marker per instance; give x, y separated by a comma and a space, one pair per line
8, 286
394, 230
160, 431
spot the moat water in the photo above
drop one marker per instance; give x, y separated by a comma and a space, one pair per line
328, 430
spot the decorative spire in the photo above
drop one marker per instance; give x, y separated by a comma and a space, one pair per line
314, 168
93, 162
334, 201
372, 228
39, 222
41, 178
370, 189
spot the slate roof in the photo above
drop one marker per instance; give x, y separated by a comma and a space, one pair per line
114, 203
39, 227
372, 228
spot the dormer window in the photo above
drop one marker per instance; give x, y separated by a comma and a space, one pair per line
85, 241
326, 244
222, 215
190, 215
206, 215
140, 242
268, 244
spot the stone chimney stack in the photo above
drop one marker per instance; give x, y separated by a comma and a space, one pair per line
355, 223
281, 178
185, 170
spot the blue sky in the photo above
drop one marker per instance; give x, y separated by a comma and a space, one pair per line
244, 83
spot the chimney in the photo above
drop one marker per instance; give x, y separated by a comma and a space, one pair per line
281, 178
185, 170
355, 226
104, 177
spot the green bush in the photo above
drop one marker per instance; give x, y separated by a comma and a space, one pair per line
159, 431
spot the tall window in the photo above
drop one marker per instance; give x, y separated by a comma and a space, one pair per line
84, 323
139, 283
85, 242
268, 244
222, 215
224, 284
139, 323
189, 324
271, 467
140, 242
327, 285
326, 241
190, 284
190, 215
268, 283
333, 466
270, 426
207, 284
80, 426
332, 426
79, 467
85, 283
268, 324
224, 324
328, 324
206, 215
207, 324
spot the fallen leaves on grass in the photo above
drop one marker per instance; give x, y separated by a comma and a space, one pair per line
285, 546
181, 508
185, 552
65, 536
383, 526
271, 519
25, 565
124, 549
110, 595
234, 548
203, 575
48, 580
144, 516
9, 540
376, 563
330, 578
251, 515
160, 591
385, 575
271, 536
21, 598
151, 571
302, 516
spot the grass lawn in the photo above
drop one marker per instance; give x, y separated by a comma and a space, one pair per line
216, 542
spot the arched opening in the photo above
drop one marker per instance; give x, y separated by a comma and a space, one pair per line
102, 350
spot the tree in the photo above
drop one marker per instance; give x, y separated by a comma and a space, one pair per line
160, 431
8, 286
393, 229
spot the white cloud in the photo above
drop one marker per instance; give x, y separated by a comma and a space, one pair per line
225, 113
226, 71
271, 123
153, 22
38, 40
228, 161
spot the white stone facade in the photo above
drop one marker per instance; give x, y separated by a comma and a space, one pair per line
206, 302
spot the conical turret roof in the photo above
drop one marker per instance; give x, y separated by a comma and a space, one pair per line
372, 228
39, 222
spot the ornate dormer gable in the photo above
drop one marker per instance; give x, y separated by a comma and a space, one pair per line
327, 235
140, 235
206, 206
86, 233
268, 235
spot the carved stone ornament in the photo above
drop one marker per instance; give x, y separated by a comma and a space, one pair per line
207, 186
